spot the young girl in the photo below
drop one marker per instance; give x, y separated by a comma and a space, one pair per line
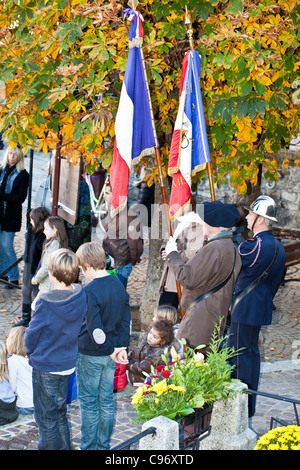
34, 240
8, 410
56, 237
153, 345
20, 372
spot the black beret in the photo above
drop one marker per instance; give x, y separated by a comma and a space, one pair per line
219, 214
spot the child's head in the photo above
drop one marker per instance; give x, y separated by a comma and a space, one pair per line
3, 362
37, 219
166, 312
15, 341
54, 227
160, 333
63, 265
91, 255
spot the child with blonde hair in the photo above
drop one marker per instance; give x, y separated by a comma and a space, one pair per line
8, 410
20, 372
168, 312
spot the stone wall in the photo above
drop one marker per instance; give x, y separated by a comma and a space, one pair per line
285, 191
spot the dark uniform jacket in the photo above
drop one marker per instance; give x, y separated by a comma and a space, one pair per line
256, 254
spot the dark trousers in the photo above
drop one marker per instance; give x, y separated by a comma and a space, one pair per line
50, 410
247, 362
169, 298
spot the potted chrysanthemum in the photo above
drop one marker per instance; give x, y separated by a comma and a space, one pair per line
281, 438
189, 383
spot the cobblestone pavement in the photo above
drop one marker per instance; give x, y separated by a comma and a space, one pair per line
280, 354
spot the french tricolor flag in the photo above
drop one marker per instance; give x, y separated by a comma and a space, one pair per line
134, 128
189, 151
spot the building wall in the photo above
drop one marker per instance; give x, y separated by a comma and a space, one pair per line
285, 191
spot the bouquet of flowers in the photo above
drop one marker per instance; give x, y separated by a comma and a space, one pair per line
281, 438
190, 381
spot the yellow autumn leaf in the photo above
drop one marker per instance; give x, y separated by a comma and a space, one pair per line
242, 187
245, 132
68, 130
264, 80
285, 164
48, 142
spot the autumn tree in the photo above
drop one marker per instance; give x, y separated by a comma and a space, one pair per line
62, 63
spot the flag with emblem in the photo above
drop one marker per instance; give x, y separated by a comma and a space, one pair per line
189, 151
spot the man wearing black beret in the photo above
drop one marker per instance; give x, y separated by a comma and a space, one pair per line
207, 280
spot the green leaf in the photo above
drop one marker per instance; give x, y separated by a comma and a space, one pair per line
246, 89
236, 7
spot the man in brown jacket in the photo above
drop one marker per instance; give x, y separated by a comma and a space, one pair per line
214, 267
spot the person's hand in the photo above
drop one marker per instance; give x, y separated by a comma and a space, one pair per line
120, 356
163, 255
171, 246
34, 282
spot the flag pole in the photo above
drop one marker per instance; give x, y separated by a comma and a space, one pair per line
191, 41
133, 4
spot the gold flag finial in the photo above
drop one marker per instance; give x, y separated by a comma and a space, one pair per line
188, 23
133, 4
187, 18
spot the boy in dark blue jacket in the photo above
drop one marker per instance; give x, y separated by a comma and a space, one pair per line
103, 340
51, 343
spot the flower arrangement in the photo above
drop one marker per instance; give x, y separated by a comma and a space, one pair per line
189, 381
281, 438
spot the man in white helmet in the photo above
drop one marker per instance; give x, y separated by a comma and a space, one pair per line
263, 261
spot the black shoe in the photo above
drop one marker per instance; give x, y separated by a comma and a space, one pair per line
16, 283
24, 322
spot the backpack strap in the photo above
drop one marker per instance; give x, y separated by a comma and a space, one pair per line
214, 289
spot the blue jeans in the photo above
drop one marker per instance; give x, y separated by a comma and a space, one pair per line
8, 255
95, 382
123, 273
50, 408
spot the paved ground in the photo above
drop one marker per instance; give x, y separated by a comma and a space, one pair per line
280, 353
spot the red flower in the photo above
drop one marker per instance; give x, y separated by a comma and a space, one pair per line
166, 374
160, 368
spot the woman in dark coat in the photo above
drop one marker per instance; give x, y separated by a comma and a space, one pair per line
14, 180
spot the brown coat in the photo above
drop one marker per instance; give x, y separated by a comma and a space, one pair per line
123, 240
211, 265
141, 359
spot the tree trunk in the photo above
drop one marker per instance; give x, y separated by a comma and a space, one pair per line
158, 233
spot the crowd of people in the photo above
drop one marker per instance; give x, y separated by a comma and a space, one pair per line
74, 327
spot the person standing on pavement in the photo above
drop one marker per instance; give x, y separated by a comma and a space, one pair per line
123, 240
250, 309
51, 344
103, 340
34, 241
207, 279
14, 181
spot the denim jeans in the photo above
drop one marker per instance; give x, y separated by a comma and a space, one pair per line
8, 255
123, 273
95, 382
50, 408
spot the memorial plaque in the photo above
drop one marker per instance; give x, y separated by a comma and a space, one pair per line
68, 195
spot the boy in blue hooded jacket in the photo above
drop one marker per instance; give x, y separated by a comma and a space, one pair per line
51, 343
